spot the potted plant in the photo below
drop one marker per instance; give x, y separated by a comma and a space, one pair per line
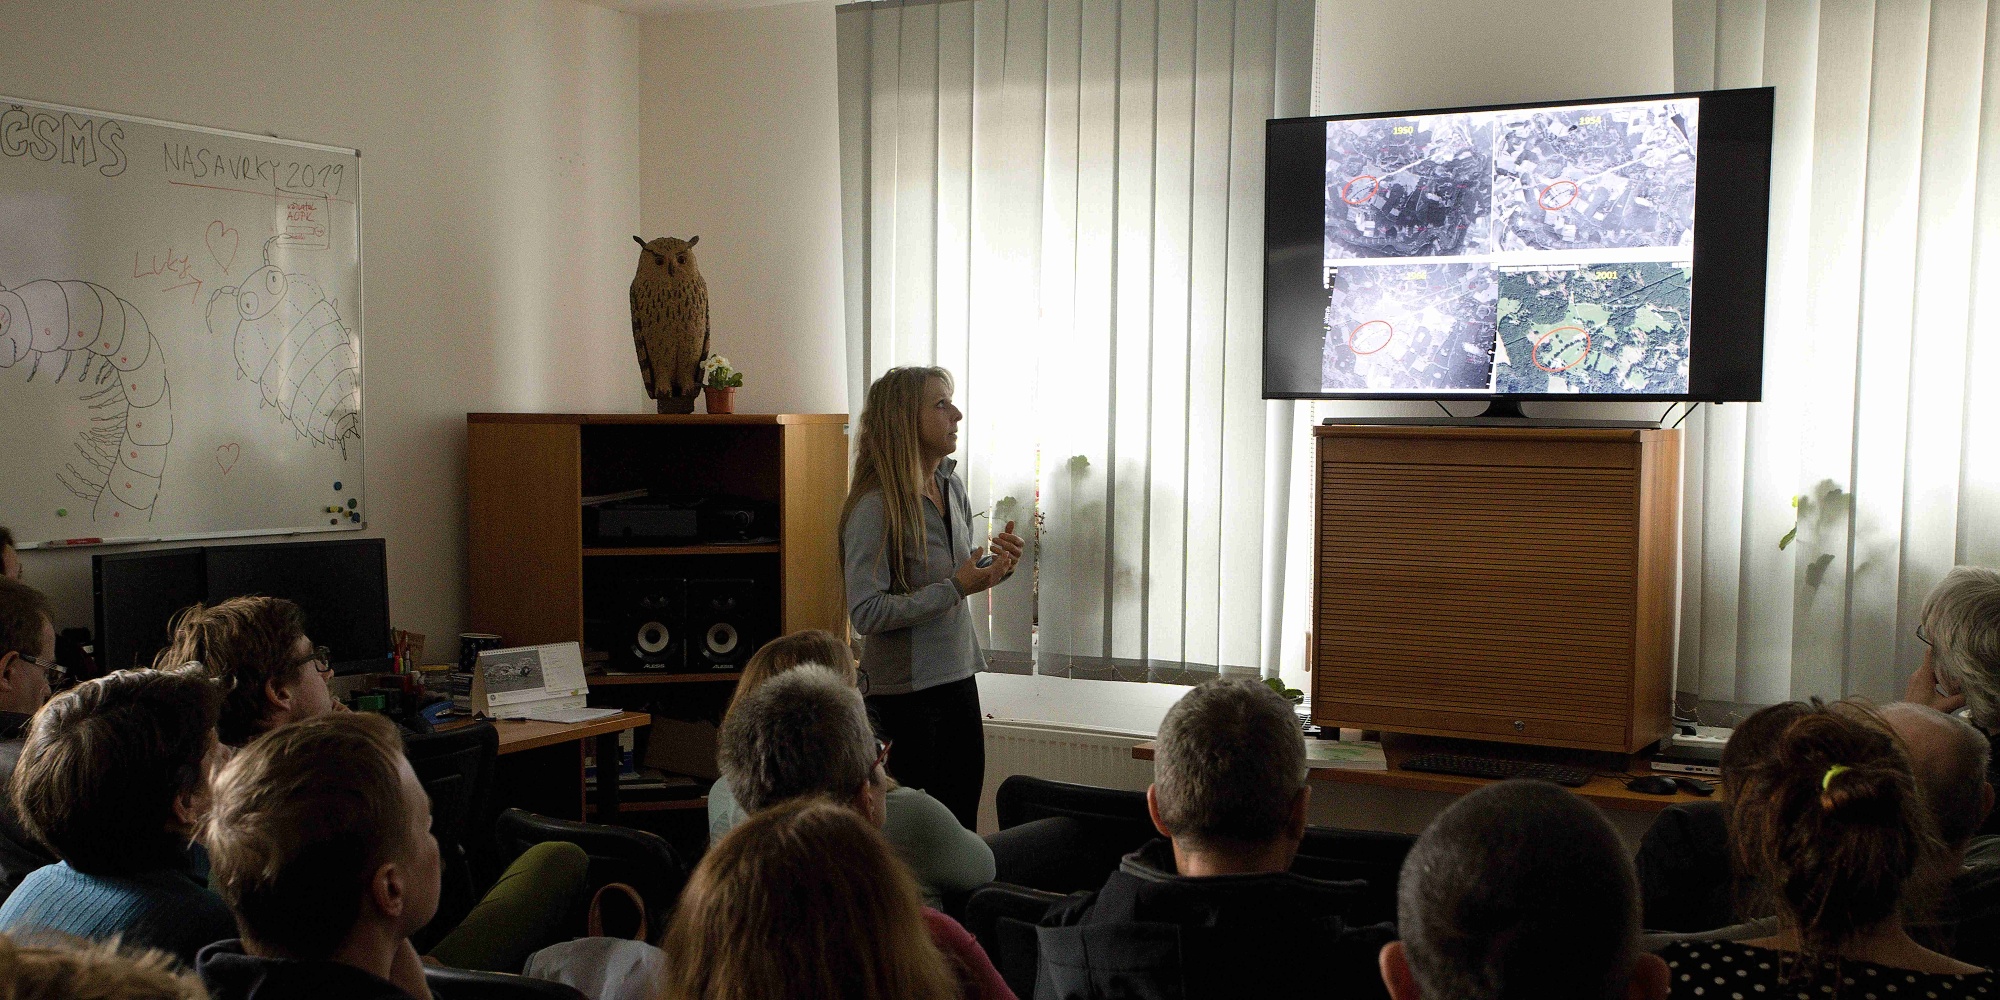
719, 382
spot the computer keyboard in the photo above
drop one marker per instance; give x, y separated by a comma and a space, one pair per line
1496, 769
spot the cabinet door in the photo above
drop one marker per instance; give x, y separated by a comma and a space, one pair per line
1474, 589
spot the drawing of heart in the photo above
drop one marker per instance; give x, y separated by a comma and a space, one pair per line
218, 237
226, 456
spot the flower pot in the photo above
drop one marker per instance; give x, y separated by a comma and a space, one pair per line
720, 400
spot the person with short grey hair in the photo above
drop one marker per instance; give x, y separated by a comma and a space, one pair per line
1960, 629
1213, 909
803, 733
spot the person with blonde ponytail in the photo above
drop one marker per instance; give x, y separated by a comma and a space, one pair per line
1831, 827
911, 561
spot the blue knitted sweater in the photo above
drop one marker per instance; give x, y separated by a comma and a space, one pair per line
166, 906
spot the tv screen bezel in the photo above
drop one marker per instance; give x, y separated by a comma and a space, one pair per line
1750, 117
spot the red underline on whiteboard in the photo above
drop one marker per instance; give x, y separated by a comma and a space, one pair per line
263, 194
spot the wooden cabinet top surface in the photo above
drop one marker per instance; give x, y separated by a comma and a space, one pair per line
1596, 434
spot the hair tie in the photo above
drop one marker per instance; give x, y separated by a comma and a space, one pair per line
1826, 780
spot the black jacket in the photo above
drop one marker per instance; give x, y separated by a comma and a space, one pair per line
229, 974
19, 853
1153, 933
1683, 864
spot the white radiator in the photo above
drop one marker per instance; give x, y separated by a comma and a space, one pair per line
1060, 753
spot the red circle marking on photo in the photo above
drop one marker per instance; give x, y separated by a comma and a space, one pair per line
1354, 338
1543, 198
1535, 355
1347, 190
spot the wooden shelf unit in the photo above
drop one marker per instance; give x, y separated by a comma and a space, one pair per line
1513, 585
527, 474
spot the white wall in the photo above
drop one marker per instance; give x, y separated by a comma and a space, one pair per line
1455, 53
740, 145
500, 169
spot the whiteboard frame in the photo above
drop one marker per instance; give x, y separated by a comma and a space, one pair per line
360, 289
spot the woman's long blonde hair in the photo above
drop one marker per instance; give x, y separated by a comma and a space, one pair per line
804, 900
888, 458
813, 646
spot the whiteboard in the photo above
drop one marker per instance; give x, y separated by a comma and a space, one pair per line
180, 330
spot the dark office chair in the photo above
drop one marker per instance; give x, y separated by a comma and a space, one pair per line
1341, 855
642, 860
465, 984
1060, 837
456, 767
1004, 917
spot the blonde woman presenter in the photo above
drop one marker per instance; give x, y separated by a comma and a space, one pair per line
911, 561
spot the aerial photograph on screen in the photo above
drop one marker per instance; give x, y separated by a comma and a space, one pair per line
1409, 187
1595, 177
1594, 328
1410, 327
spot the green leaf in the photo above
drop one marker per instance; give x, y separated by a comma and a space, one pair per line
1789, 536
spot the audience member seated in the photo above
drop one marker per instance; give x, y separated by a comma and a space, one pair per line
112, 780
1831, 828
805, 901
27, 671
1520, 890
82, 970
1957, 903
1685, 883
1960, 629
944, 856
271, 674
257, 650
320, 835
805, 734
1212, 910
10, 558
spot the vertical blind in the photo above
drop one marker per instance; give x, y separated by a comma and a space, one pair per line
1061, 201
1881, 359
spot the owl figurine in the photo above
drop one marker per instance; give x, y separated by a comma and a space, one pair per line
670, 321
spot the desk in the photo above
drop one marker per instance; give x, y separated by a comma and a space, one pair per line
545, 773
1607, 793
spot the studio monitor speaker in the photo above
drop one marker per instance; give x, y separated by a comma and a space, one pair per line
650, 629
722, 623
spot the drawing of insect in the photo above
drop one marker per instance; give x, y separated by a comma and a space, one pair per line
82, 326
289, 338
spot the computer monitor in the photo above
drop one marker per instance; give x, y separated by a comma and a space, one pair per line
136, 595
342, 586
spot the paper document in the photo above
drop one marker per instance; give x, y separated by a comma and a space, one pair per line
1346, 756
570, 716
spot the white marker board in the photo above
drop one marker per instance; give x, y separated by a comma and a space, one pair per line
180, 330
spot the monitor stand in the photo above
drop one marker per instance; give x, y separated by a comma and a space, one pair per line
1498, 413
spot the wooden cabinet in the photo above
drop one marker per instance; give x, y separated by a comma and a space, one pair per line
531, 574
1513, 585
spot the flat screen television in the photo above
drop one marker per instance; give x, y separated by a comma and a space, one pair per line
1605, 250
342, 586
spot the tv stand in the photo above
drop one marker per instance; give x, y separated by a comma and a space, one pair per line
1498, 413
1505, 584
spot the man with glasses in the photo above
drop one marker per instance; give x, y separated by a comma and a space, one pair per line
28, 673
257, 650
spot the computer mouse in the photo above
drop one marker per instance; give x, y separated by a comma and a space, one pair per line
1695, 786
1652, 784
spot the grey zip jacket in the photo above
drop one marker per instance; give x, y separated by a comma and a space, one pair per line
922, 638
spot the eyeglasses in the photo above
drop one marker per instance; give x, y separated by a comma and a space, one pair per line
57, 674
882, 751
861, 679
322, 661
1923, 638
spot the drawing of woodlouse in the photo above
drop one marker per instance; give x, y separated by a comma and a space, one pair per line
83, 326
289, 338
